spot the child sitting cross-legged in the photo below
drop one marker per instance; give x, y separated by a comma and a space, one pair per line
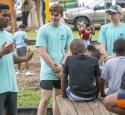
83, 72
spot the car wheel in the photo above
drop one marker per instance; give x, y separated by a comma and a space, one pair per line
80, 21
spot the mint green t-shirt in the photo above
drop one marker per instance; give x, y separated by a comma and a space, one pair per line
109, 33
7, 72
56, 40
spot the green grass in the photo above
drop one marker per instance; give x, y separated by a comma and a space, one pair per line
30, 97
32, 35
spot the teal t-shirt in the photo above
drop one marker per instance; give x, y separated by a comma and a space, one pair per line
7, 72
19, 38
55, 40
109, 33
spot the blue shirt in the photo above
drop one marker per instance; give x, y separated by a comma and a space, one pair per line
112, 72
55, 40
19, 38
109, 33
7, 72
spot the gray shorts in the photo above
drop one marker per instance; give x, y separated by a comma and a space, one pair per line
21, 51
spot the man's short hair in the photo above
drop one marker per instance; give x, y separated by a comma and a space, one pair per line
119, 46
57, 8
4, 6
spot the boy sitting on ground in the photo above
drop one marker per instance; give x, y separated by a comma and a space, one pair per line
83, 70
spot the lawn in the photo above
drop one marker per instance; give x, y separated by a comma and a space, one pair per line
32, 35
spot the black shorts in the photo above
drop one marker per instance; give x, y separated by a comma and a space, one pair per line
8, 103
50, 84
22, 51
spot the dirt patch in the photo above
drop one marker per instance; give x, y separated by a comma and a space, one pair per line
30, 81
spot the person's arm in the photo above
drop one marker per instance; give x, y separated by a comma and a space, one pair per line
69, 39
41, 44
103, 41
68, 53
98, 84
105, 77
102, 49
57, 68
18, 59
6, 49
102, 88
64, 83
46, 57
97, 78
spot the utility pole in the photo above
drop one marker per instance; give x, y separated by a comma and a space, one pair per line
47, 11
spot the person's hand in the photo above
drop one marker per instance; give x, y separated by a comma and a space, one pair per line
105, 57
29, 55
58, 70
102, 94
59, 75
6, 49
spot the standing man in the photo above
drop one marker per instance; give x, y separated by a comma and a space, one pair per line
53, 40
8, 85
112, 31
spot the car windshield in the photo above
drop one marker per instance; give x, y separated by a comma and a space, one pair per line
92, 3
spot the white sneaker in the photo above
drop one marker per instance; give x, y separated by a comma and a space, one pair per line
28, 73
18, 73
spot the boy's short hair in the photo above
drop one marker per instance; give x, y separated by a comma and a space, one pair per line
22, 26
119, 46
4, 6
57, 8
94, 51
77, 47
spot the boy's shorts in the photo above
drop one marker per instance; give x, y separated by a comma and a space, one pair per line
73, 97
121, 100
22, 51
50, 84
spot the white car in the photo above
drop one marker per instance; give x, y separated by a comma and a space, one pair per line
92, 13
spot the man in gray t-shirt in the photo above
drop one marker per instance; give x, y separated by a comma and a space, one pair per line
114, 68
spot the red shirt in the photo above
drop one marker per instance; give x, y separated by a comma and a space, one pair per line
85, 35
